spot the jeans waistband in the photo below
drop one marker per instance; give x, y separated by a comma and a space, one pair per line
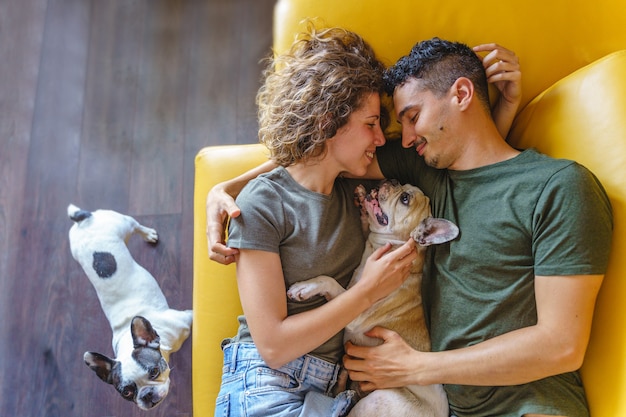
319, 368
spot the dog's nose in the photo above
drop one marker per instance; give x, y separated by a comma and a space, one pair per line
150, 398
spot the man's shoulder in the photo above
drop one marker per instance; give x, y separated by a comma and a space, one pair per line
534, 157
557, 169
561, 169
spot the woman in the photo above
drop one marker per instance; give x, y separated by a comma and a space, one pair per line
320, 117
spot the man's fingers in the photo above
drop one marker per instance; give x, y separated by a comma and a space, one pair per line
218, 251
381, 333
221, 254
233, 210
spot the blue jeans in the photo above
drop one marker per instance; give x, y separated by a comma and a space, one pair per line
300, 388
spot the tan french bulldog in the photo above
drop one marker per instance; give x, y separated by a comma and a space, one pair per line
394, 213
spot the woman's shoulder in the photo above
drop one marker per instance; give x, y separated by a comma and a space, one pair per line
268, 182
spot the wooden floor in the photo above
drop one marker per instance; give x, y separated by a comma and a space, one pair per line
104, 103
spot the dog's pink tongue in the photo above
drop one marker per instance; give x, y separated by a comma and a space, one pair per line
373, 208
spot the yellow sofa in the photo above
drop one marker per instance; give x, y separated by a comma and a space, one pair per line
574, 106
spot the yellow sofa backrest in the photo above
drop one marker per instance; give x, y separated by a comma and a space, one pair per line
552, 38
575, 110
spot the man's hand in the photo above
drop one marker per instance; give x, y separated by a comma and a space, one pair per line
383, 366
219, 207
503, 71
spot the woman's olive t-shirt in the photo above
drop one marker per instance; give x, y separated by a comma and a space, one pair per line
314, 234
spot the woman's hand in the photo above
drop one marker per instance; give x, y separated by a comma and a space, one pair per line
386, 270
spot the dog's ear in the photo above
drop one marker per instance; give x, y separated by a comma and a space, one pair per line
144, 334
102, 365
434, 231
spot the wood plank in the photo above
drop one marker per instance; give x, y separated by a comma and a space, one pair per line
105, 104
110, 95
22, 26
255, 44
41, 313
158, 137
214, 67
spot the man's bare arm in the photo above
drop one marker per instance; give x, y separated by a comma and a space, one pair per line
220, 206
556, 344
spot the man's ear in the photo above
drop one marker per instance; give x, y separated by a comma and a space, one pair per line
463, 92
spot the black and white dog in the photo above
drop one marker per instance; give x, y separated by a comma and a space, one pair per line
145, 330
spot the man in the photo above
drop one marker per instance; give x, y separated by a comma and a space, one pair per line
509, 302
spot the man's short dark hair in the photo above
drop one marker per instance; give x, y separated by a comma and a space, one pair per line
438, 64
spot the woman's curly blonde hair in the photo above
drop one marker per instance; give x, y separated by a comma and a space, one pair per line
310, 92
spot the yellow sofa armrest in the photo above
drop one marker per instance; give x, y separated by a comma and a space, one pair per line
215, 297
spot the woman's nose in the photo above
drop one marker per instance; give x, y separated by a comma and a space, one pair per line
379, 139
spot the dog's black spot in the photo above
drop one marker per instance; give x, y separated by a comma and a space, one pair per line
104, 264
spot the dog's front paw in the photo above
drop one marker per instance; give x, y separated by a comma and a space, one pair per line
302, 291
323, 285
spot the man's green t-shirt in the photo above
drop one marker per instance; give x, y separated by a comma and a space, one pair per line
527, 216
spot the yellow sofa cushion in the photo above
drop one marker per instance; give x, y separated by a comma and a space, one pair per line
580, 117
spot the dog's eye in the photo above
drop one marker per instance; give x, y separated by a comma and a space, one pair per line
154, 373
128, 393
405, 198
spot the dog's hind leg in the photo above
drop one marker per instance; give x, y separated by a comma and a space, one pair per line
147, 233
397, 402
